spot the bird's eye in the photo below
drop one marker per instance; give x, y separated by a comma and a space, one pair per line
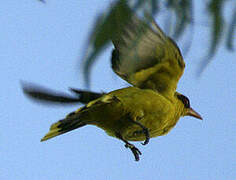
185, 100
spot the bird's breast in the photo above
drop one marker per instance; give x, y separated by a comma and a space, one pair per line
158, 124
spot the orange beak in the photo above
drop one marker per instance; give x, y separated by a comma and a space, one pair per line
193, 113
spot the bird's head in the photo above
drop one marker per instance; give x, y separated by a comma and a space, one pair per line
187, 110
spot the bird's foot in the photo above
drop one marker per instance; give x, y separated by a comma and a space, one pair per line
146, 133
136, 152
144, 130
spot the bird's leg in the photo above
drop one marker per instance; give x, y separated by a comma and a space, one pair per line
134, 150
144, 130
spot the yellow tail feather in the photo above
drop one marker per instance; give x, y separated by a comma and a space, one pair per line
63, 126
54, 131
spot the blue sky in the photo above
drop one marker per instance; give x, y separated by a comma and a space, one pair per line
42, 43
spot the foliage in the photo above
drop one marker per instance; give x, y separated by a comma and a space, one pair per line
104, 27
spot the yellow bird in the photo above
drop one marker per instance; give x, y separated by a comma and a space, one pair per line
129, 114
151, 61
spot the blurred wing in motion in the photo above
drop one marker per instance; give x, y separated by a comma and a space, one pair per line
146, 58
86, 96
45, 95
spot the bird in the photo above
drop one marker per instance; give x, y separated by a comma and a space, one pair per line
152, 64
129, 114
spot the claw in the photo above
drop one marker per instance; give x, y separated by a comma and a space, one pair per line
144, 130
136, 152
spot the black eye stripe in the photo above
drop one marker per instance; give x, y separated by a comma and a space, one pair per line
185, 100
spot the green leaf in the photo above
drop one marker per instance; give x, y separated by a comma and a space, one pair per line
230, 34
184, 13
105, 29
215, 9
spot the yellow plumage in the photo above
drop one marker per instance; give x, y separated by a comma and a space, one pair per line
54, 131
120, 113
150, 61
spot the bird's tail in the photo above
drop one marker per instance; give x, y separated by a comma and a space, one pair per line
68, 124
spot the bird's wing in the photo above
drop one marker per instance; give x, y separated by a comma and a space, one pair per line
45, 95
145, 57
